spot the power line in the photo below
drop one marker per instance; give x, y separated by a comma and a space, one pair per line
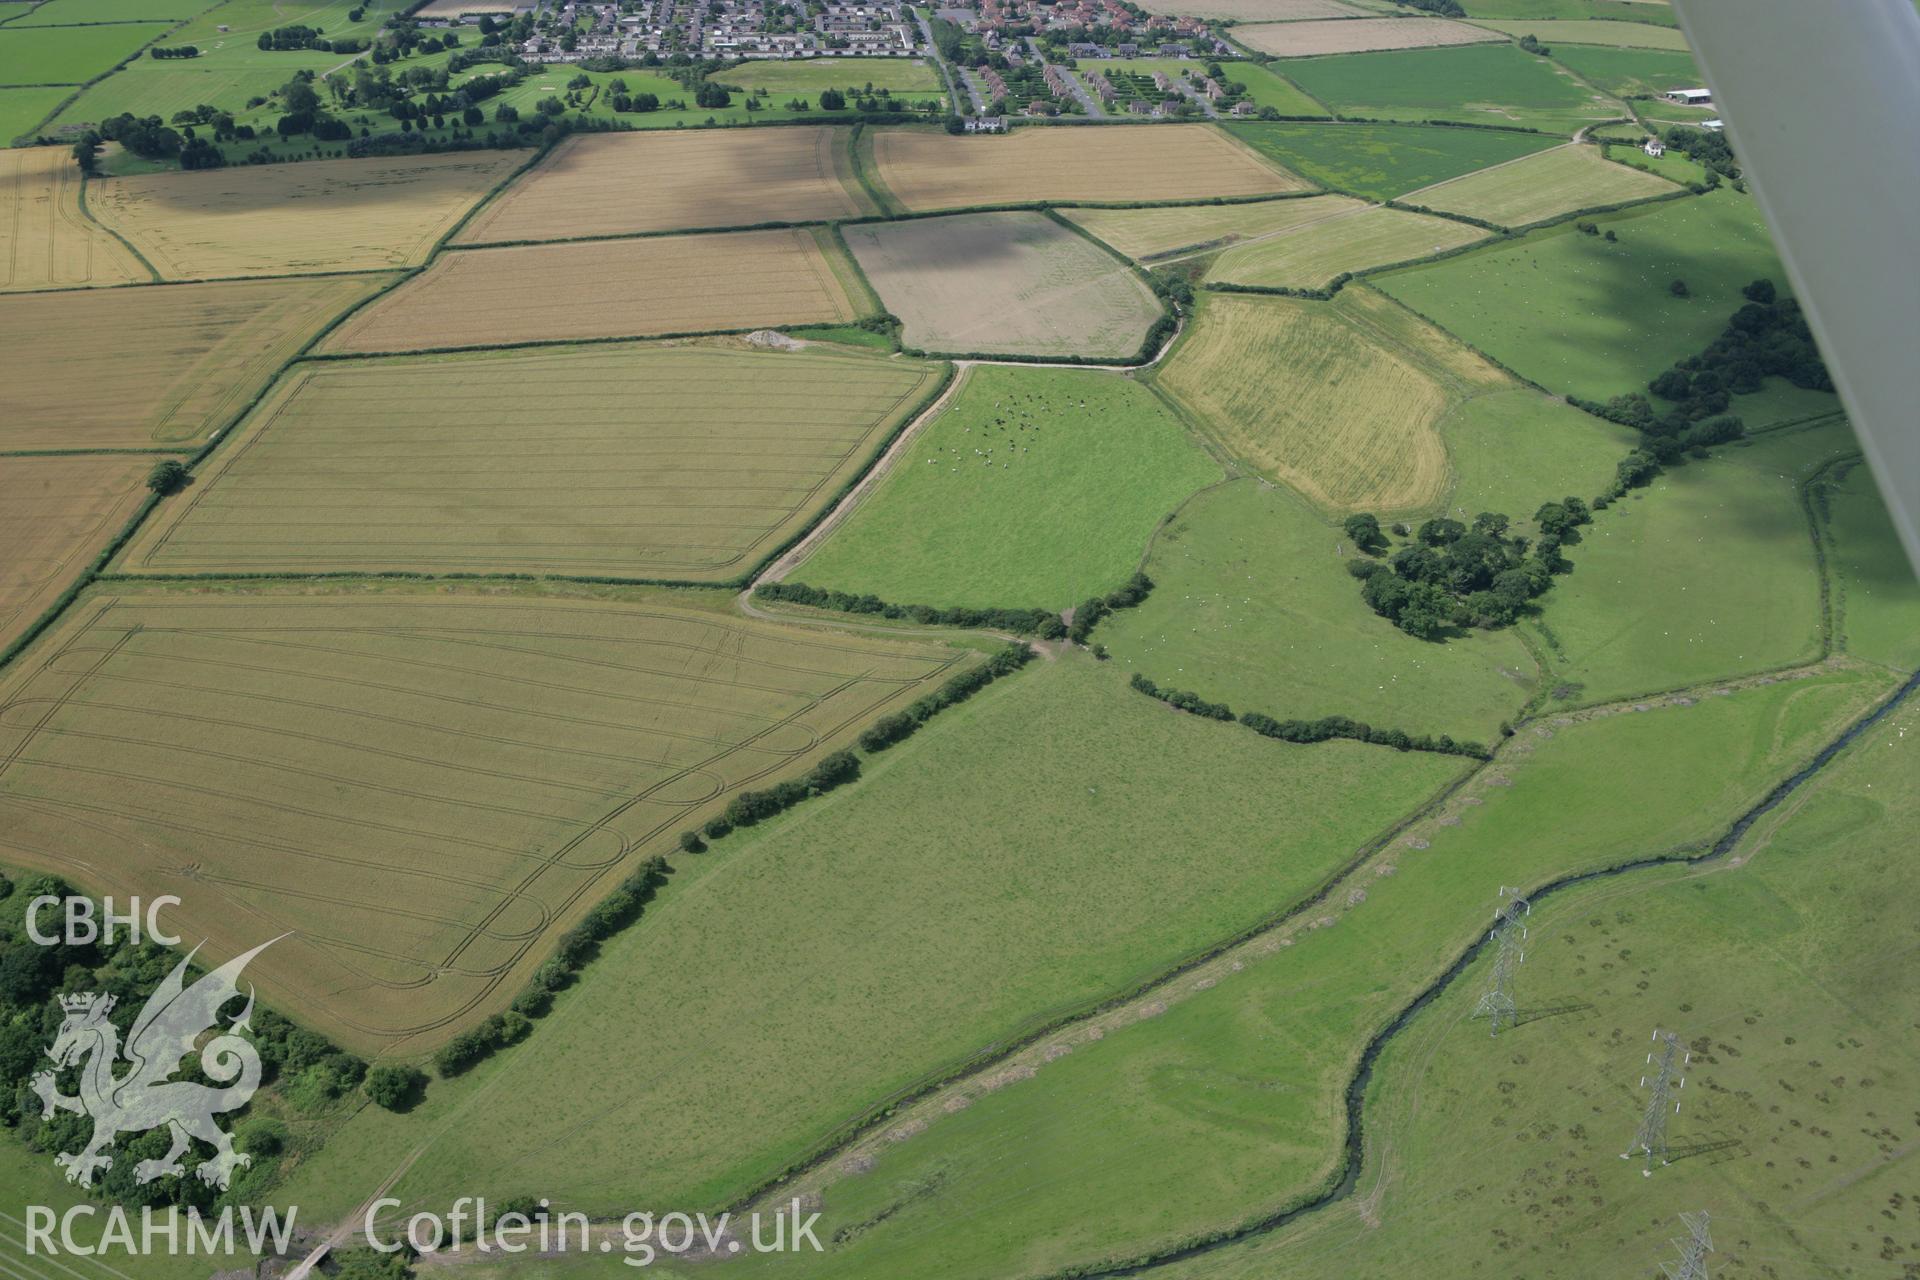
1651, 1140
1509, 931
1693, 1250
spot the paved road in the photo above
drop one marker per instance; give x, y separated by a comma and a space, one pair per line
946, 72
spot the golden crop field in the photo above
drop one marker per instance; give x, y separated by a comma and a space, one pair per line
56, 515
928, 169
197, 354
1016, 283
600, 184
1544, 185
1311, 256
691, 463
423, 790
1158, 233
1308, 39
289, 219
1620, 35
46, 239
610, 289
1301, 396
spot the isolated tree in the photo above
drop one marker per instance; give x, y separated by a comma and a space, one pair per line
169, 475
832, 100
395, 1087
1679, 289
1364, 529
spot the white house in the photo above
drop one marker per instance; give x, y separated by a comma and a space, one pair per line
1655, 148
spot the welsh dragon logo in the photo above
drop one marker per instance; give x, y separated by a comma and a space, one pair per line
145, 1097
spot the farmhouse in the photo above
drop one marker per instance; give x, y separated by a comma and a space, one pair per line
1655, 148
985, 124
1690, 97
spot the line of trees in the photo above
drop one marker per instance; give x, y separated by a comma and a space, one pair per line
1324, 729
1043, 623
902, 725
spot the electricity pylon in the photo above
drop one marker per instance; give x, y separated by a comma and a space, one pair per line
1509, 931
1651, 1140
1693, 1250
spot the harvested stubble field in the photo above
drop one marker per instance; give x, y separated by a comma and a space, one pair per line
281, 219
1543, 186
1009, 283
1157, 233
688, 463
1309, 39
1008, 863
1620, 35
1303, 396
1311, 256
46, 239
924, 169
618, 183
423, 789
610, 289
202, 352
56, 514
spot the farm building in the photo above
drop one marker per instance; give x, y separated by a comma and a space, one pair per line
1690, 97
986, 124
1655, 148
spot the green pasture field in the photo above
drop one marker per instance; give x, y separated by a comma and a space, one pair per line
1513, 450
1707, 574
1268, 89
1253, 606
1631, 71
1382, 161
1476, 84
806, 77
1586, 317
1652, 11
1876, 598
1228, 1104
1033, 488
1673, 166
68, 55
231, 68
618, 461
1619, 35
65, 13
22, 110
428, 784
1032, 830
1310, 257
1773, 970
